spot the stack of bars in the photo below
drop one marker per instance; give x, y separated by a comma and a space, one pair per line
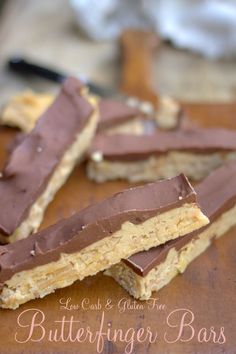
142, 236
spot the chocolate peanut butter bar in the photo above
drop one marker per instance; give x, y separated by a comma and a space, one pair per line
115, 116
96, 238
149, 271
42, 161
195, 152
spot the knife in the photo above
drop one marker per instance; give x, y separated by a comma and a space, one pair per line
23, 66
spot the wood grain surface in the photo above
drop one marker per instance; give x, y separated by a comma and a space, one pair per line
206, 290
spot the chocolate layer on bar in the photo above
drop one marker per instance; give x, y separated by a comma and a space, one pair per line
113, 112
34, 160
95, 223
124, 147
216, 194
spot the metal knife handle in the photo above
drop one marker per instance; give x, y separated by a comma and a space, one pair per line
137, 49
24, 67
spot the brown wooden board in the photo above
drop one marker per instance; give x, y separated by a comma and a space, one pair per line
205, 293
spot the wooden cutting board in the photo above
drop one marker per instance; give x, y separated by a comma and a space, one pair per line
205, 294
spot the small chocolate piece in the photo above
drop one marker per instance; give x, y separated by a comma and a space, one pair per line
95, 223
114, 112
34, 160
216, 194
135, 147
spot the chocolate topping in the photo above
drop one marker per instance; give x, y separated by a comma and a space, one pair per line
94, 223
113, 112
216, 194
33, 161
124, 147
17, 140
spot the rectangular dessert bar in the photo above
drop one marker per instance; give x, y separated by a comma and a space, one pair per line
149, 271
41, 163
195, 152
137, 117
115, 116
96, 238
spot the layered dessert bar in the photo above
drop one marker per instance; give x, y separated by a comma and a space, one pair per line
43, 160
195, 152
115, 116
96, 238
149, 271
